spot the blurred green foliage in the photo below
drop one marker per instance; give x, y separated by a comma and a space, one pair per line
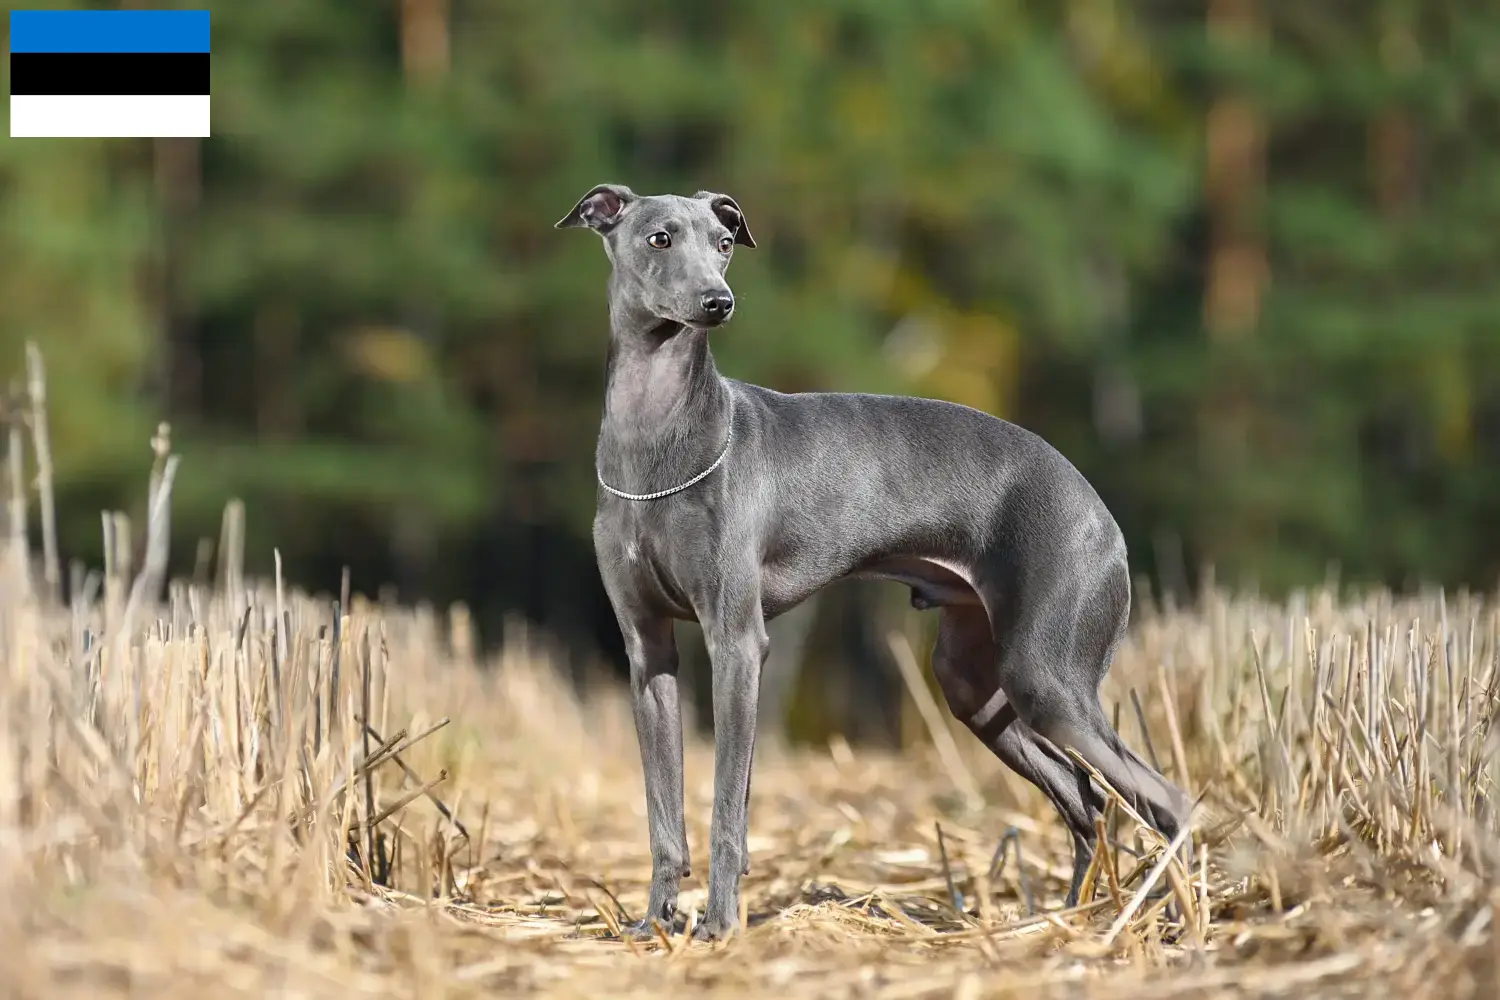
352, 307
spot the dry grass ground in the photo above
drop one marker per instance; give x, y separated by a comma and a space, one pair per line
249, 792
177, 805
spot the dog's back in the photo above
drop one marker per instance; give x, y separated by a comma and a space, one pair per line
909, 478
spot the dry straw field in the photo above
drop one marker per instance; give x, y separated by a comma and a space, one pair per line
244, 790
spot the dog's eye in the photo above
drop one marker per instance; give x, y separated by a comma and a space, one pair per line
726, 244
659, 240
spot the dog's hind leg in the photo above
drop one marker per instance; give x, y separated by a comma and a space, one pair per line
965, 664
1058, 649
1063, 782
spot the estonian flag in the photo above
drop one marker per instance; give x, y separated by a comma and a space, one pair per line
124, 73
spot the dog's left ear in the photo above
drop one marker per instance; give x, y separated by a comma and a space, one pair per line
729, 213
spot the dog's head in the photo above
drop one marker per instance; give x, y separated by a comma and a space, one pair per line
669, 253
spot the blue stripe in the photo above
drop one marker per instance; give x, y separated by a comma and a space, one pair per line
109, 30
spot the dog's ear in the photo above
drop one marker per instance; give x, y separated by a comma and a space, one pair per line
729, 213
600, 209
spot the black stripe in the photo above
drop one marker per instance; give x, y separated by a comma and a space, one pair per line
128, 73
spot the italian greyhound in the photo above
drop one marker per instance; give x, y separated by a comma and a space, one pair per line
727, 504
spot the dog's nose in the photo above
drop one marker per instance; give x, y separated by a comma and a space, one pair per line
718, 304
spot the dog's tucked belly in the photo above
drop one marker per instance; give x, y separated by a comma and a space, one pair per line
934, 582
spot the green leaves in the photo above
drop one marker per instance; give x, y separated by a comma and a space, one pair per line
991, 202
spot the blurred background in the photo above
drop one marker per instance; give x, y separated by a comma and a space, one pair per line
1237, 260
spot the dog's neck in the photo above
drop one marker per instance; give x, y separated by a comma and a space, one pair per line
666, 408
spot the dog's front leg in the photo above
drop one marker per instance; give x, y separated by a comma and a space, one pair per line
652, 651
737, 650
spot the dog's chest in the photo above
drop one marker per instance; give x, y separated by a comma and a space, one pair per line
659, 554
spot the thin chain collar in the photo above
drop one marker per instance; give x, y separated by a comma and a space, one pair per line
728, 440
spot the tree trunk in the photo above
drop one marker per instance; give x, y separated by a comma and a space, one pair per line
1237, 274
424, 40
178, 176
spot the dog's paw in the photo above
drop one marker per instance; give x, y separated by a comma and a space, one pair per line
645, 930
713, 930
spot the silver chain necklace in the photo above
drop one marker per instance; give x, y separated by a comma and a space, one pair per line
728, 440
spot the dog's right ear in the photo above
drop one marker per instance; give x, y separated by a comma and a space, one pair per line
600, 209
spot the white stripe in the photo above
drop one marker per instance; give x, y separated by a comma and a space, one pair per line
108, 116
991, 709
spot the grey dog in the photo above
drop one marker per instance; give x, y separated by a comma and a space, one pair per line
727, 504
